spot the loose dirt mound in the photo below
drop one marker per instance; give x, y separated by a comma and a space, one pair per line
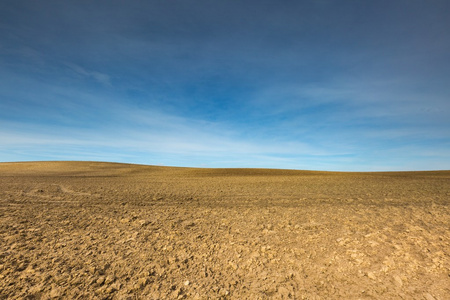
116, 231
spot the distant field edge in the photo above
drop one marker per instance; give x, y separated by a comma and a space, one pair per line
79, 166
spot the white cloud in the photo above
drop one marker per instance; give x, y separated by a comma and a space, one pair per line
98, 76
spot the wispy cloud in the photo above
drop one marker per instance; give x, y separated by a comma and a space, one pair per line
89, 74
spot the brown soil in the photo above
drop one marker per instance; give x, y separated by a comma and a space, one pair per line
117, 231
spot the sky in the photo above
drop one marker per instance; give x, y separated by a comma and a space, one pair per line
318, 85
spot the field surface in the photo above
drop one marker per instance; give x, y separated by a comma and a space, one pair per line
89, 230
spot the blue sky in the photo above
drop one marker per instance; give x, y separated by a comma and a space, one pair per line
320, 85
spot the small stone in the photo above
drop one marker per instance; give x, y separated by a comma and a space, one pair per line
110, 279
55, 292
223, 292
371, 275
142, 281
144, 222
197, 296
101, 280
398, 280
187, 224
186, 283
36, 289
30, 269
428, 296
233, 265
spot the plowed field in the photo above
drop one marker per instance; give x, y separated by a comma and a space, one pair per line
85, 230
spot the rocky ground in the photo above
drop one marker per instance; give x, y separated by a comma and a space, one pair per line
114, 231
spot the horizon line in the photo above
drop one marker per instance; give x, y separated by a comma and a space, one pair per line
217, 168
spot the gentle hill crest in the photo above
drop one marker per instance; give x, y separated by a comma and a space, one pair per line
96, 168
